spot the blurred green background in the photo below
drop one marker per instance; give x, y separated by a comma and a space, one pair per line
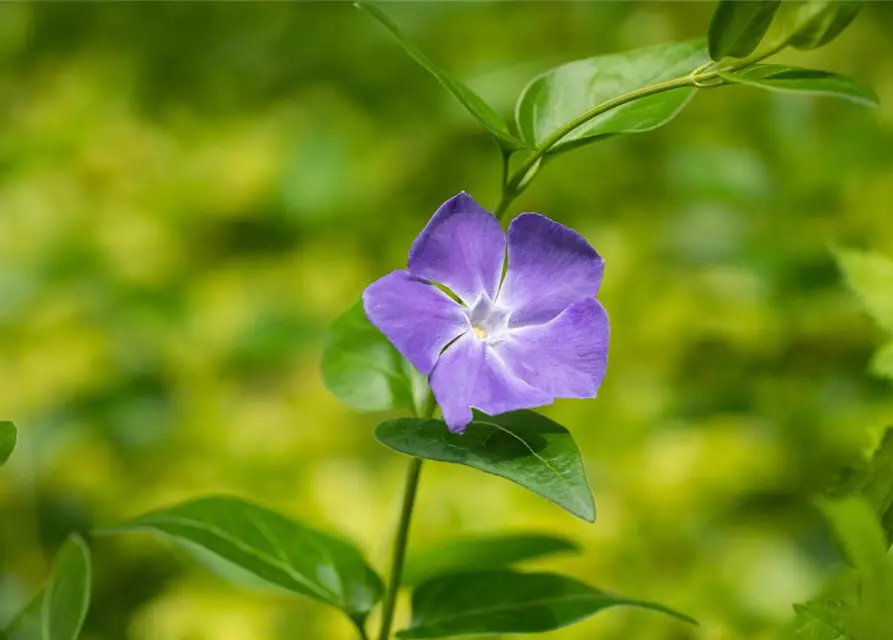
190, 193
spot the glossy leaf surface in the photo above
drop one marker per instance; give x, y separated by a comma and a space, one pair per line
521, 446
558, 96
490, 602
270, 547
737, 27
364, 370
489, 552
798, 80
815, 23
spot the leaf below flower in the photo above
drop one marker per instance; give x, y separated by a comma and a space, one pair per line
521, 446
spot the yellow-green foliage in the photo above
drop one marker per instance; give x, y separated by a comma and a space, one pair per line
189, 193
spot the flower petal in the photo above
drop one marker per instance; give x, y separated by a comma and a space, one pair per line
566, 357
549, 267
417, 317
470, 374
461, 247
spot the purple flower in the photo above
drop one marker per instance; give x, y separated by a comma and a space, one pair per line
514, 342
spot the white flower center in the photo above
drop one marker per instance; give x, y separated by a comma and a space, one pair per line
488, 321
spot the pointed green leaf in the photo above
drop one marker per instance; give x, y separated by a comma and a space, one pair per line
8, 437
59, 611
778, 77
882, 362
521, 446
476, 106
364, 370
489, 552
270, 547
490, 602
822, 620
870, 276
737, 28
26, 625
815, 23
859, 533
873, 480
67, 594
558, 96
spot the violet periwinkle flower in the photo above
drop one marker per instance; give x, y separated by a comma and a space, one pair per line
513, 342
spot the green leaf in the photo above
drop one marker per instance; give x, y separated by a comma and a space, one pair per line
857, 529
67, 595
7, 440
737, 27
882, 362
558, 96
817, 22
521, 446
27, 624
270, 547
476, 106
822, 620
488, 602
490, 552
59, 611
364, 370
795, 79
873, 480
870, 276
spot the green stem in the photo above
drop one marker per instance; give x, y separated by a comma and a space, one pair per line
399, 552
514, 186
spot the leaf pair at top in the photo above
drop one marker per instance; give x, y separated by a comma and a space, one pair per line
571, 105
557, 96
737, 27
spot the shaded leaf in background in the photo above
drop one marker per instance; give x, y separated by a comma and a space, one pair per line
870, 276
488, 552
488, 602
798, 80
822, 620
8, 437
737, 28
476, 106
557, 96
857, 529
521, 446
882, 362
817, 22
58, 613
269, 546
874, 481
364, 370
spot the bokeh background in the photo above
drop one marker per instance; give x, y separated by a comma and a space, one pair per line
189, 193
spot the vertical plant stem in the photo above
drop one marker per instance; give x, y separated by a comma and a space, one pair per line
399, 551
361, 629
